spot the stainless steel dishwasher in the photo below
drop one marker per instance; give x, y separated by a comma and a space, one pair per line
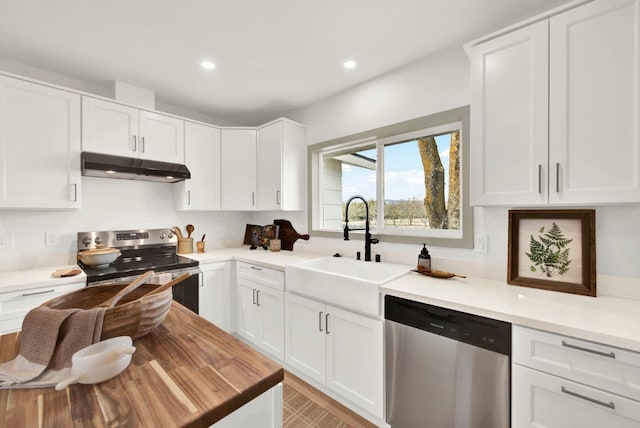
444, 368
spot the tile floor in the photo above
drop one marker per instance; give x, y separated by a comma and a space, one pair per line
306, 407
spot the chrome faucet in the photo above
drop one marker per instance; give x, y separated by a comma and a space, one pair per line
367, 236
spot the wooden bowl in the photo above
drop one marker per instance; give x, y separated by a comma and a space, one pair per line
133, 316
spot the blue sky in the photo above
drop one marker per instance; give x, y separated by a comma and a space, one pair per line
404, 177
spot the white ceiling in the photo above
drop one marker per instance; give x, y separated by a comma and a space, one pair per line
271, 56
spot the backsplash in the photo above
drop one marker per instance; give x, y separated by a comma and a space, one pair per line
106, 204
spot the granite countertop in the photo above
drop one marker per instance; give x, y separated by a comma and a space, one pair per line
186, 372
610, 320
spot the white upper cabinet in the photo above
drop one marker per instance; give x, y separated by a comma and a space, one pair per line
202, 158
594, 139
509, 118
161, 137
238, 169
121, 130
39, 146
281, 166
109, 128
555, 115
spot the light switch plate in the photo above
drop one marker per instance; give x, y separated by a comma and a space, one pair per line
481, 243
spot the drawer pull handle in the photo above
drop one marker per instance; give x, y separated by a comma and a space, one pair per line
256, 268
257, 297
592, 351
37, 292
254, 296
320, 321
610, 405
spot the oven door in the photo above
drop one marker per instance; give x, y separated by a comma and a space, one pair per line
185, 293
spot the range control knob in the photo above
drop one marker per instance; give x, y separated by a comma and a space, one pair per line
86, 241
162, 235
170, 235
98, 240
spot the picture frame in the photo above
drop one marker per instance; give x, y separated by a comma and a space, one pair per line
553, 250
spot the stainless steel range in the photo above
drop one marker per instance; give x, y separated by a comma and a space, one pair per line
142, 250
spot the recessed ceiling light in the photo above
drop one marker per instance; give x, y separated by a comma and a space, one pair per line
208, 65
349, 64
110, 171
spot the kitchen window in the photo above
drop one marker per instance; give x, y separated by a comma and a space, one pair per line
414, 176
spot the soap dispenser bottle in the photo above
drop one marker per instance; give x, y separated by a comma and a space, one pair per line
424, 259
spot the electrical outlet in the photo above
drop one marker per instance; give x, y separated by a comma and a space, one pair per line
6, 241
481, 243
50, 239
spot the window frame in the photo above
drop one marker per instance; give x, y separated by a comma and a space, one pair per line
386, 135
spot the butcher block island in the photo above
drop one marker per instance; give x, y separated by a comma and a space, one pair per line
185, 373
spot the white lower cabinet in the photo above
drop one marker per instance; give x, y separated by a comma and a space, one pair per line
260, 308
337, 348
563, 382
546, 401
15, 305
214, 297
264, 411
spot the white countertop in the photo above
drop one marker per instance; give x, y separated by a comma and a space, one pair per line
610, 320
36, 278
270, 259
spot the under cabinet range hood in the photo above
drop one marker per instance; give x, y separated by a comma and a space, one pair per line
109, 166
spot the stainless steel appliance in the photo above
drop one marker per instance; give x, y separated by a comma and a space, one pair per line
142, 250
444, 368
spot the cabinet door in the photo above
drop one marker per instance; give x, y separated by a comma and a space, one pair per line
238, 169
109, 128
509, 118
270, 305
215, 294
39, 146
269, 167
355, 358
161, 137
594, 112
246, 310
294, 167
544, 401
202, 157
305, 336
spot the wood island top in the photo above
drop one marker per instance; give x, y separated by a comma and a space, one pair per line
185, 373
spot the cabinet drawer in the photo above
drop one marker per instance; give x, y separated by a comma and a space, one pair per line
545, 401
10, 325
611, 369
265, 276
23, 301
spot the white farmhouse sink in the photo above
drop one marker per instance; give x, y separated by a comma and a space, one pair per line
343, 281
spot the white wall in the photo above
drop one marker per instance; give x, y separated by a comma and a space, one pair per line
434, 84
108, 204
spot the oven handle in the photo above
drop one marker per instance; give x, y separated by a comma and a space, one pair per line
195, 271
